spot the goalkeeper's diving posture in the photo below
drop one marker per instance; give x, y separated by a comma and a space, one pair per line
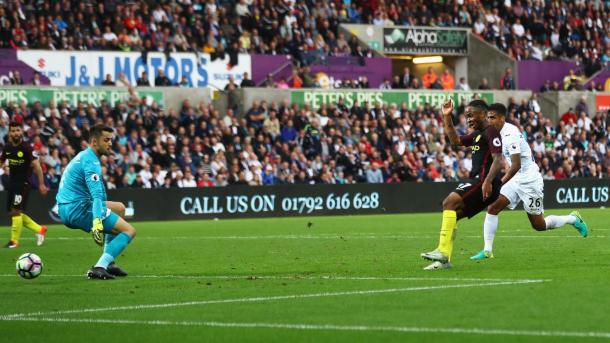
82, 204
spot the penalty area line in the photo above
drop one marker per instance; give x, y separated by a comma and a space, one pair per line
268, 298
327, 327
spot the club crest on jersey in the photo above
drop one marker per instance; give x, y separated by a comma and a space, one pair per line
95, 177
20, 154
497, 142
514, 146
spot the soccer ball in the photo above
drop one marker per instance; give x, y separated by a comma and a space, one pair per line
29, 265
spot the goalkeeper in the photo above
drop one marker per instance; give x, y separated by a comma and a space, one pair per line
82, 204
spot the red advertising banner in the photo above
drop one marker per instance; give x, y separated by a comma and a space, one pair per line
602, 102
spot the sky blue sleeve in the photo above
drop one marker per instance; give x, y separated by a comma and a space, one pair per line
93, 172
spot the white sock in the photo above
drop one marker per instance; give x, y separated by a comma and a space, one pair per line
489, 230
554, 222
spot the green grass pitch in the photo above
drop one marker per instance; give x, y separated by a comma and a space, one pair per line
344, 279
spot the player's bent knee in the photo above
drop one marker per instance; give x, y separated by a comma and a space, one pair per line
538, 222
451, 203
493, 209
116, 207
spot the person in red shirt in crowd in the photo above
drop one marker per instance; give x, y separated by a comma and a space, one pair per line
429, 78
560, 174
447, 80
565, 118
204, 181
393, 179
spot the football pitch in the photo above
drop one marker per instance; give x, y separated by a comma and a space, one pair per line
340, 279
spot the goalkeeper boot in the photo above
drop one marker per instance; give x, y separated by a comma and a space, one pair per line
435, 255
99, 273
580, 224
482, 255
115, 270
438, 265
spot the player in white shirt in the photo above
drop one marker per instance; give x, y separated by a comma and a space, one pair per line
522, 182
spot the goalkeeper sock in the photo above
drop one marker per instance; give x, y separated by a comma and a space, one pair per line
106, 257
490, 226
16, 226
108, 239
113, 249
448, 231
30, 223
554, 222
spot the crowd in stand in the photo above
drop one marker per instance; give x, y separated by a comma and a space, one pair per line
305, 29
283, 143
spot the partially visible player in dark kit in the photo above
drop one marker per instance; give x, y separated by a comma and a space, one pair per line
22, 160
472, 197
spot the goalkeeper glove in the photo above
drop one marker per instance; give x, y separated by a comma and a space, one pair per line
98, 231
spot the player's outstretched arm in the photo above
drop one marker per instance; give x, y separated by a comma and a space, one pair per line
447, 111
514, 168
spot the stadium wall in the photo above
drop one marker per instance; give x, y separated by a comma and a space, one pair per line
304, 200
487, 61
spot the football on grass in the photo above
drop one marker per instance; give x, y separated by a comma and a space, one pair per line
29, 265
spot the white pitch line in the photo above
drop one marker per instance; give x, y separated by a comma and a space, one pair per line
327, 327
342, 237
296, 277
270, 298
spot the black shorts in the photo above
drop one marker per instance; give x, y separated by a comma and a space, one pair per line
472, 195
17, 196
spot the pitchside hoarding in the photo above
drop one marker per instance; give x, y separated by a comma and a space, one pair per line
413, 99
82, 68
311, 200
425, 41
73, 96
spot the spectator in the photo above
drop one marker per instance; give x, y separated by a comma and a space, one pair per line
161, 80
143, 80
447, 80
463, 86
16, 78
108, 81
484, 84
429, 78
36, 80
406, 79
269, 83
246, 82
374, 175
184, 82
507, 82
385, 84
582, 106
282, 84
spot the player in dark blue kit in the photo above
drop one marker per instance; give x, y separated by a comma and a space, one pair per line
82, 204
